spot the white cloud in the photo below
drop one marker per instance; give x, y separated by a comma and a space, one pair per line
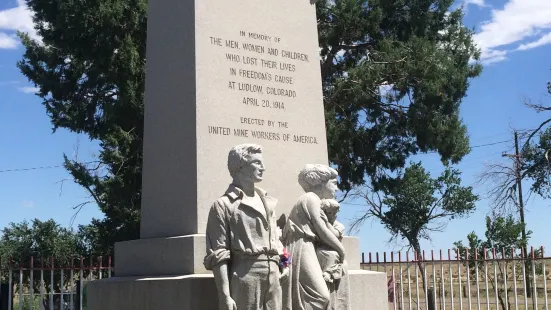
4, 83
28, 89
7, 41
17, 19
517, 21
385, 88
27, 204
493, 56
480, 3
544, 40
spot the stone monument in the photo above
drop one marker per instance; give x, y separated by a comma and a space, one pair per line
219, 74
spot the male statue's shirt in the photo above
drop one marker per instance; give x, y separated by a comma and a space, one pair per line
237, 229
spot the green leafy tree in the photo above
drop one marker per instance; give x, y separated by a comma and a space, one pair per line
535, 159
90, 72
42, 241
503, 234
419, 205
394, 75
536, 153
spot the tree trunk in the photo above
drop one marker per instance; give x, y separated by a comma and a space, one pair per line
421, 264
521, 213
502, 301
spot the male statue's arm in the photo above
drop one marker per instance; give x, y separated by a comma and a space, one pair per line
218, 254
325, 235
221, 279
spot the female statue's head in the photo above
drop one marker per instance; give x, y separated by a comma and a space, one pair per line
319, 179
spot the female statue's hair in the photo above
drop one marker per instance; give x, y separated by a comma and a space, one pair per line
314, 175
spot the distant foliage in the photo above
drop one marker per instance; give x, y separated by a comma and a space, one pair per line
42, 241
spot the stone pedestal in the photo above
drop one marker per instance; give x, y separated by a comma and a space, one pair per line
368, 289
184, 255
171, 256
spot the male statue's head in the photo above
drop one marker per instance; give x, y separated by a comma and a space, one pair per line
246, 163
319, 179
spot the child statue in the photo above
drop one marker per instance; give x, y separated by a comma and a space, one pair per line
329, 259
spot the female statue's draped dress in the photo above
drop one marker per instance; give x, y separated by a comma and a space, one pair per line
306, 289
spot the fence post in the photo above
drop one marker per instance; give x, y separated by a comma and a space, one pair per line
78, 304
430, 298
4, 296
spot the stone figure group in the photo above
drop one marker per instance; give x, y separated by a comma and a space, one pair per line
260, 266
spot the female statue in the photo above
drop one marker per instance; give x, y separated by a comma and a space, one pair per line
305, 228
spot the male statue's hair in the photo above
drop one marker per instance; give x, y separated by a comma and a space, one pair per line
330, 204
239, 156
314, 175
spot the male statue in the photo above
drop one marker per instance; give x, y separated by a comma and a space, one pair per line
243, 245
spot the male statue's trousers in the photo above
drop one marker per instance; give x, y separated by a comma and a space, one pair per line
254, 284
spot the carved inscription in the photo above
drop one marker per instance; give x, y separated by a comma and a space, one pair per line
265, 75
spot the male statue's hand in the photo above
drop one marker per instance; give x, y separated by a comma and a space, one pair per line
227, 303
284, 274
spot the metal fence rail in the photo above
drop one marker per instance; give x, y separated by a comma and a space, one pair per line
478, 279
50, 285
481, 279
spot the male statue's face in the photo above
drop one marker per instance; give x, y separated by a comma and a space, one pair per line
254, 169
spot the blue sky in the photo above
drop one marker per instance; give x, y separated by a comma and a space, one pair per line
515, 38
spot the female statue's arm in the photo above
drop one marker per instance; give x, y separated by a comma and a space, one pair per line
333, 230
325, 235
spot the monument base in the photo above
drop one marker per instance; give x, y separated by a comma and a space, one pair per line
154, 257
184, 255
198, 292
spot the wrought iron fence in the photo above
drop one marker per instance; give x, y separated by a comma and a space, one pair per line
481, 279
49, 285
478, 279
